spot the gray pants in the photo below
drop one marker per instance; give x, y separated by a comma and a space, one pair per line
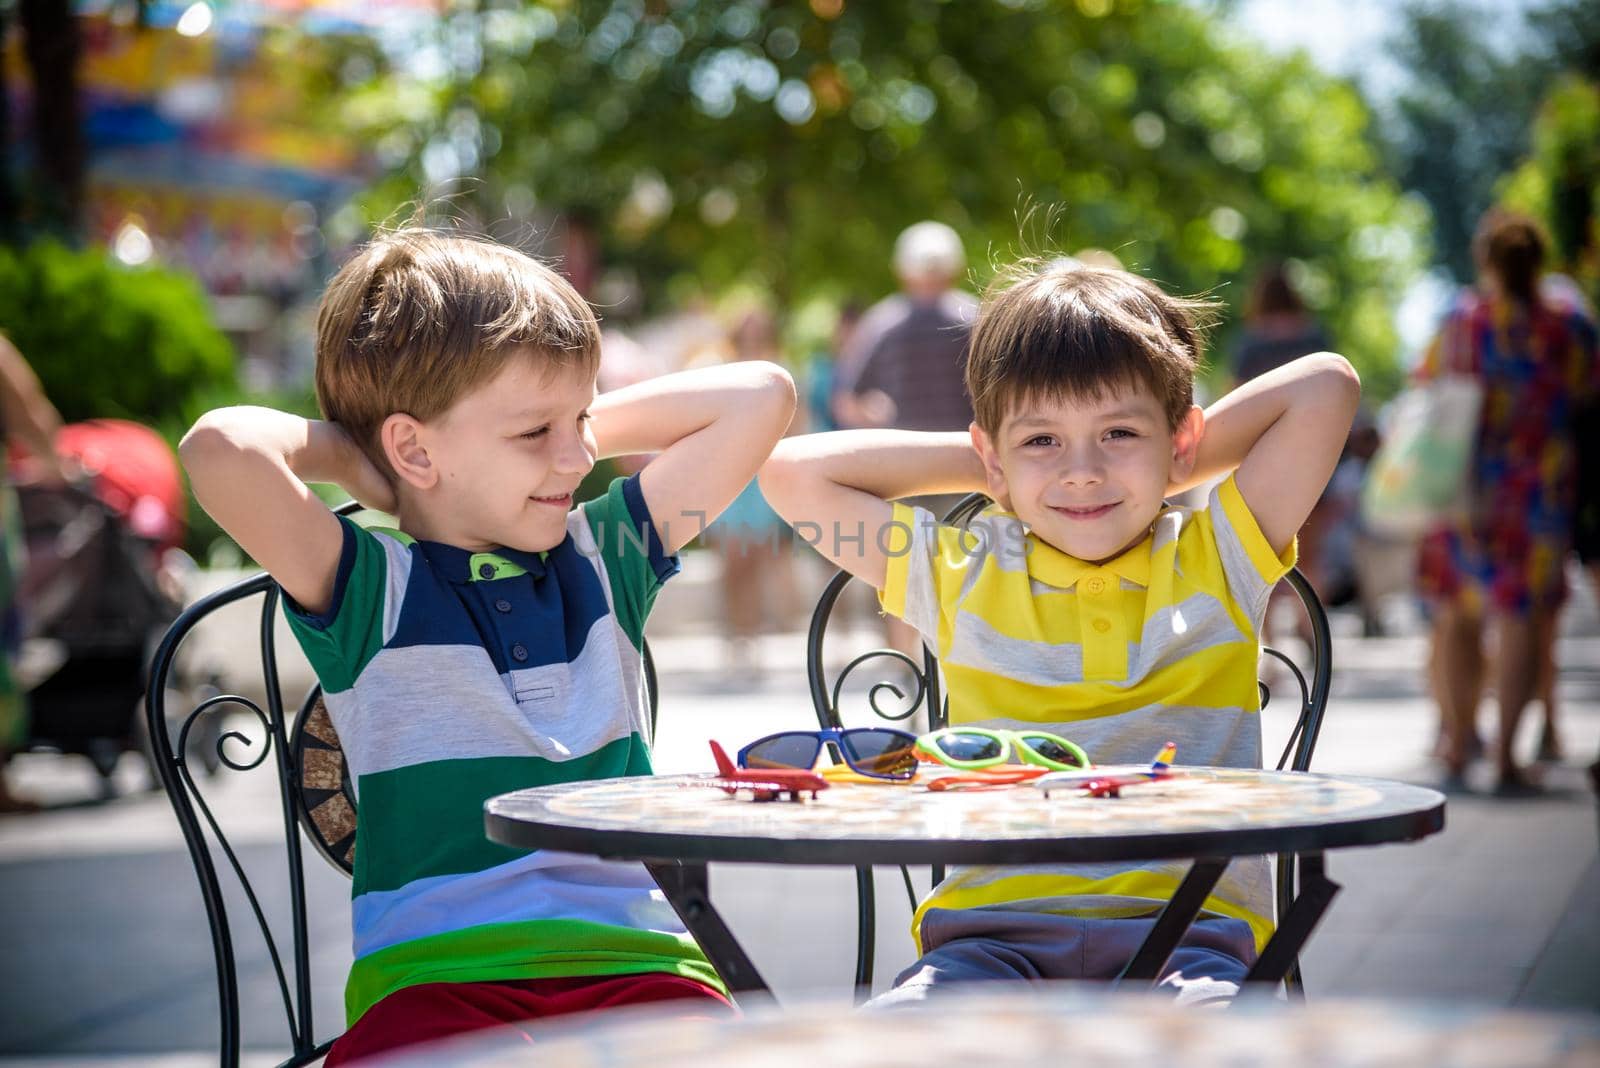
973, 945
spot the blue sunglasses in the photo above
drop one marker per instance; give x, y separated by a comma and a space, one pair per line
876, 752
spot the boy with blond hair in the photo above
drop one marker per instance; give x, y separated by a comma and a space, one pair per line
494, 640
1081, 603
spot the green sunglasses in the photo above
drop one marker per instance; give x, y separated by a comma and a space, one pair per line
980, 747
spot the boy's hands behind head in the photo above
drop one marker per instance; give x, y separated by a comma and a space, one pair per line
249, 467
1284, 432
361, 479
712, 428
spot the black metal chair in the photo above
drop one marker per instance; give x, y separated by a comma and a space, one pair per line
314, 792
926, 695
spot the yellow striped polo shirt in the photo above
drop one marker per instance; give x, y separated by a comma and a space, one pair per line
1160, 643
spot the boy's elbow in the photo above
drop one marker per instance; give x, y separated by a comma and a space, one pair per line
216, 445
1340, 374
1341, 368
775, 385
207, 439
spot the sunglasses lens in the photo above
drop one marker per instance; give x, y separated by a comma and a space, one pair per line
891, 754
784, 751
1051, 749
962, 746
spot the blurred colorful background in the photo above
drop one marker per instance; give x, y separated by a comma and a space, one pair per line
726, 179
216, 157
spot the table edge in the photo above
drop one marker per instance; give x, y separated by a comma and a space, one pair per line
645, 845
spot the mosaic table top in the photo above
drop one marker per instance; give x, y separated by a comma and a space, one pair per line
1201, 811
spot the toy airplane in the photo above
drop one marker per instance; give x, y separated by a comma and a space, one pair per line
1105, 782
765, 784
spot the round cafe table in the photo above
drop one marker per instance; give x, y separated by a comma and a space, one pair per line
676, 824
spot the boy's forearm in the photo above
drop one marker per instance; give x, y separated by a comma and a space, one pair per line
226, 444
887, 464
249, 468
656, 414
1235, 423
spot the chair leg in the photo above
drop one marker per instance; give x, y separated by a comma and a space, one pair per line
866, 932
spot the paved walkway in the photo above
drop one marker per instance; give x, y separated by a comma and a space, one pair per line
104, 954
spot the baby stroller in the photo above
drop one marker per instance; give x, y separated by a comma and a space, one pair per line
92, 593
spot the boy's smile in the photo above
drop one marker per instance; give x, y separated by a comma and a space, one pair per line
1088, 475
1091, 512
508, 457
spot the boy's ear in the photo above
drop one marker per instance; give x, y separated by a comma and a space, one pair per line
993, 474
1186, 442
401, 438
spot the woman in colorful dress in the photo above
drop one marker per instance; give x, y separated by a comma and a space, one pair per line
1504, 561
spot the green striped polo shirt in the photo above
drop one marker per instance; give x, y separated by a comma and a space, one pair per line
452, 676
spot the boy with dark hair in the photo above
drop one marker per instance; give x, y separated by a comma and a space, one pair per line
1083, 604
494, 640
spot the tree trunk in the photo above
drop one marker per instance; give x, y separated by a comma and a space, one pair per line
52, 45
10, 218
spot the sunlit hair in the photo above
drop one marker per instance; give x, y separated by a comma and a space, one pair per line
420, 316
1511, 246
1059, 330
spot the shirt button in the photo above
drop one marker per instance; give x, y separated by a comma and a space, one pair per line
1102, 625
486, 571
502, 605
519, 652
1096, 584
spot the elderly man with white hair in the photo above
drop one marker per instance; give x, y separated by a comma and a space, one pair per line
905, 366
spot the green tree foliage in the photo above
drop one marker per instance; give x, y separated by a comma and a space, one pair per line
1462, 121
110, 341
1559, 183
784, 144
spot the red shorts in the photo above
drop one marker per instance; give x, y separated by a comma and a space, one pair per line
431, 1011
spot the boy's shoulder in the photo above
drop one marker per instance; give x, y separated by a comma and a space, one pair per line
383, 533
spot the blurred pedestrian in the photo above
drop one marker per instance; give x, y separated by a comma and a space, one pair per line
1278, 327
750, 539
904, 368
822, 371
1536, 360
1586, 540
906, 365
1347, 547
1557, 289
27, 420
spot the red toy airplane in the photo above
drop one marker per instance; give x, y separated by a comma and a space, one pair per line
1104, 782
767, 784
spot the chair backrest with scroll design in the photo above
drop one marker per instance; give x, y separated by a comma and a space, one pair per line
314, 793
927, 697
